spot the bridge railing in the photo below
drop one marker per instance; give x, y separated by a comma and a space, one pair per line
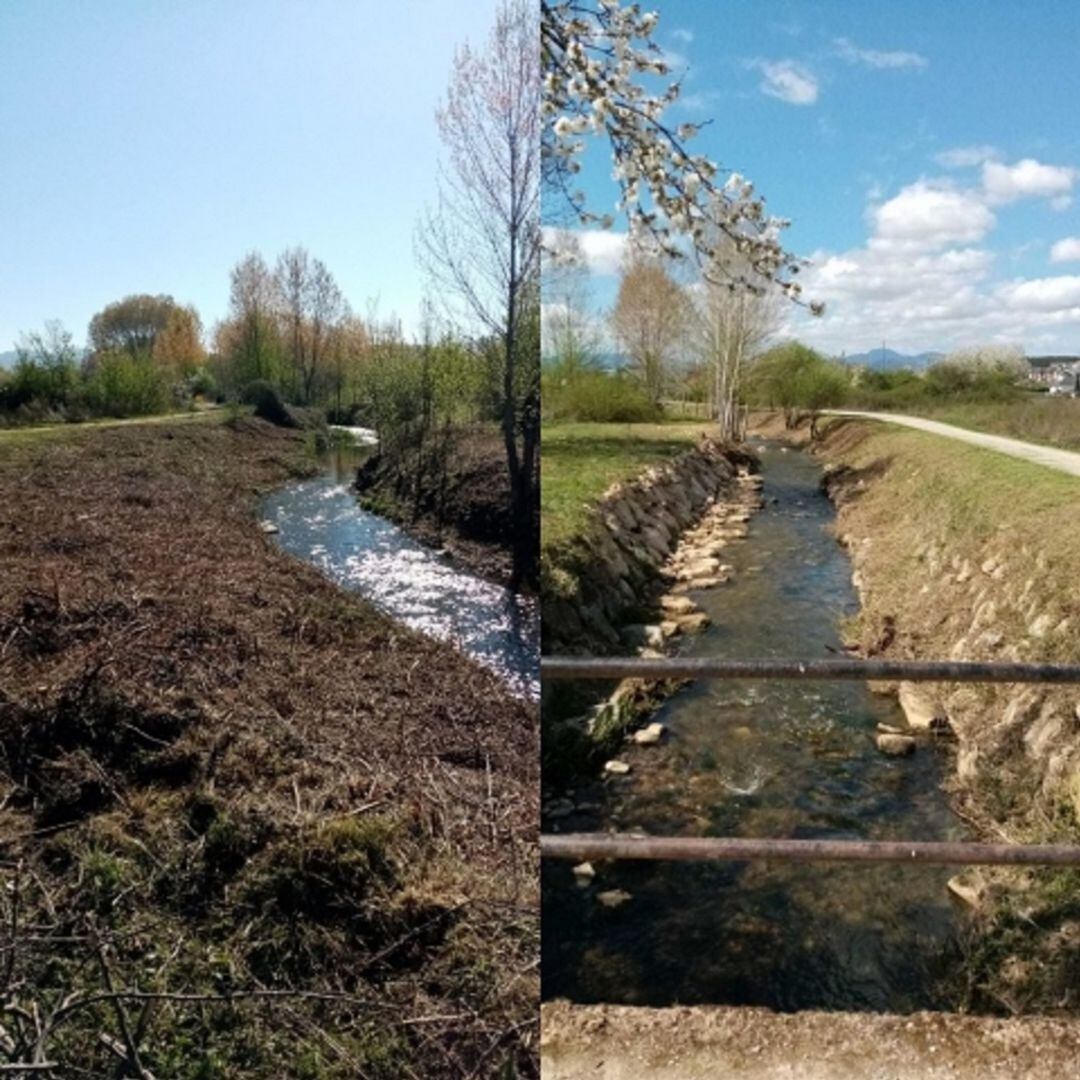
588, 846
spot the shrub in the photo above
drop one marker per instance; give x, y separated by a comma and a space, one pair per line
596, 396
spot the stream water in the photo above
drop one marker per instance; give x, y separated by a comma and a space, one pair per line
779, 759
320, 520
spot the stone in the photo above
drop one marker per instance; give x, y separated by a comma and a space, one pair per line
613, 898
637, 635
584, 873
670, 627
922, 713
649, 735
965, 891
677, 605
269, 528
616, 768
693, 624
896, 745
559, 808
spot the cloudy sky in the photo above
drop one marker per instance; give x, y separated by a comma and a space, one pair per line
146, 147
928, 155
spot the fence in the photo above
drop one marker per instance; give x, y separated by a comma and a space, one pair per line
585, 846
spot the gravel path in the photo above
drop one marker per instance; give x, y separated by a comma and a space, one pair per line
608, 1042
1063, 460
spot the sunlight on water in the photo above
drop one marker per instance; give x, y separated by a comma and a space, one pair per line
320, 521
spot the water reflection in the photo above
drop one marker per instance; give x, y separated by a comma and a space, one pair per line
320, 520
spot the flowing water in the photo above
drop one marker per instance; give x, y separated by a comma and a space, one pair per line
320, 520
779, 759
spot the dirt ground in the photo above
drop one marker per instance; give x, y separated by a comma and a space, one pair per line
606, 1042
310, 832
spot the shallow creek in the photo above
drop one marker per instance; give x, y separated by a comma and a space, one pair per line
779, 759
321, 521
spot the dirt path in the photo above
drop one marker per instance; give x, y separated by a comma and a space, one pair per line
1066, 461
131, 421
606, 1042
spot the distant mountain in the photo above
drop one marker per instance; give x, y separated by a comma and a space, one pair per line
890, 360
7, 359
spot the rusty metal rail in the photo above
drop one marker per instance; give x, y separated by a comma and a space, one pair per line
589, 846
565, 668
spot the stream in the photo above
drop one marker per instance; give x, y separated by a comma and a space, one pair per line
764, 759
321, 521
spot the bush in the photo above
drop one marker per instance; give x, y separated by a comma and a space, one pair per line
119, 384
268, 404
596, 396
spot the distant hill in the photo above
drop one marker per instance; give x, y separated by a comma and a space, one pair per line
7, 359
890, 360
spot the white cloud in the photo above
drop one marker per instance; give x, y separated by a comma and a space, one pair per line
1061, 202
683, 35
600, 250
932, 214
1066, 250
962, 157
874, 58
1026, 179
788, 81
1051, 294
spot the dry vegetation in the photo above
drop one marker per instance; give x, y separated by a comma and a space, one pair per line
249, 826
966, 554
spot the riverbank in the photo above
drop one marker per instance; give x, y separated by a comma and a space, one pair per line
961, 553
619, 581
228, 781
465, 510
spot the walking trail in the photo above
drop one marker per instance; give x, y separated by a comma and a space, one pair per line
1067, 461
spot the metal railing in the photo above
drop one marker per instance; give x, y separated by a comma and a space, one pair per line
588, 846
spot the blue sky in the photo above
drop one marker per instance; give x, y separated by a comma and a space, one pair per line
927, 153
147, 145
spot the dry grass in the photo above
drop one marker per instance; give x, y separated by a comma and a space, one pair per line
225, 776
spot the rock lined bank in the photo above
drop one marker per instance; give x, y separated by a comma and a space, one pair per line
609, 579
623, 588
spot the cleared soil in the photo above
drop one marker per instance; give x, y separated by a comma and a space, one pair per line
295, 838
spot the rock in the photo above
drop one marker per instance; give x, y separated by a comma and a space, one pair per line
896, 745
613, 898
649, 735
890, 729
966, 891
693, 624
616, 768
677, 605
584, 873
269, 528
559, 808
670, 627
637, 635
922, 713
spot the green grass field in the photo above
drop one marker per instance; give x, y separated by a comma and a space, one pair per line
579, 462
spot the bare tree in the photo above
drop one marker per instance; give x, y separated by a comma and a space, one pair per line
648, 320
482, 244
730, 326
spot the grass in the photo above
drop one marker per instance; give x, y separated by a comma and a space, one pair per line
970, 554
1035, 418
579, 462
